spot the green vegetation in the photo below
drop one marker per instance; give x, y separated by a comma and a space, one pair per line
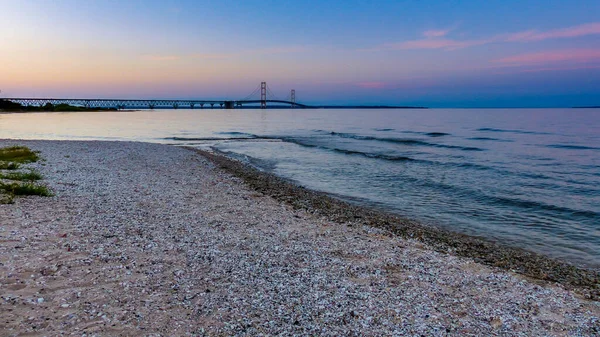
8, 165
16, 107
21, 176
9, 106
25, 189
6, 198
14, 184
66, 107
18, 154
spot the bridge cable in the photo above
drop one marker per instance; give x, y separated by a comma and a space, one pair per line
256, 90
269, 92
249, 97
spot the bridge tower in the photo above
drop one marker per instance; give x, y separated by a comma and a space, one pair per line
263, 95
293, 98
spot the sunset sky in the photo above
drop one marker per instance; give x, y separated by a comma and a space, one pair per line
505, 53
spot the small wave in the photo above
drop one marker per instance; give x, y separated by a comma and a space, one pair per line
471, 165
430, 134
298, 142
383, 156
542, 206
247, 139
383, 130
207, 138
374, 155
235, 133
490, 139
436, 134
513, 131
572, 147
404, 141
350, 152
464, 148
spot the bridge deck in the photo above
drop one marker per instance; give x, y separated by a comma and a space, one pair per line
136, 103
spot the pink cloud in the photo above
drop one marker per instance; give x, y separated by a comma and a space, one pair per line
434, 39
535, 70
575, 31
372, 85
436, 33
574, 55
447, 44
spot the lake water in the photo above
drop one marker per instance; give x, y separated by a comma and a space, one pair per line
524, 177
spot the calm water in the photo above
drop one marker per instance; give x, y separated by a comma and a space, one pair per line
524, 177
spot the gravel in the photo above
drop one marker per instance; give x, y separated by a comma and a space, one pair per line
149, 239
584, 280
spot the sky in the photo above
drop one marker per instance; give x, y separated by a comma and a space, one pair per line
509, 53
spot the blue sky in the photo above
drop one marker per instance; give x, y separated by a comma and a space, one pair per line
432, 53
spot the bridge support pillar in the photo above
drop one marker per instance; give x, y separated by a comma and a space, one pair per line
175, 106
201, 105
293, 98
192, 105
263, 95
212, 105
229, 105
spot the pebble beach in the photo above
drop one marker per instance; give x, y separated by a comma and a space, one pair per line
157, 240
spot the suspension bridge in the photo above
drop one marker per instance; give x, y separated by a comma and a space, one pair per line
262, 95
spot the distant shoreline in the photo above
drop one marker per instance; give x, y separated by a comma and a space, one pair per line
7, 106
6, 112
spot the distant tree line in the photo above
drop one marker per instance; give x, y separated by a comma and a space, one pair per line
16, 107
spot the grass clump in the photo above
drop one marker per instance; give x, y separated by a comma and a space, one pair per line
25, 189
18, 154
11, 158
7, 165
21, 176
6, 198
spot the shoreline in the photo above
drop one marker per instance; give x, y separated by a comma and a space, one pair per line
143, 238
530, 264
8, 112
